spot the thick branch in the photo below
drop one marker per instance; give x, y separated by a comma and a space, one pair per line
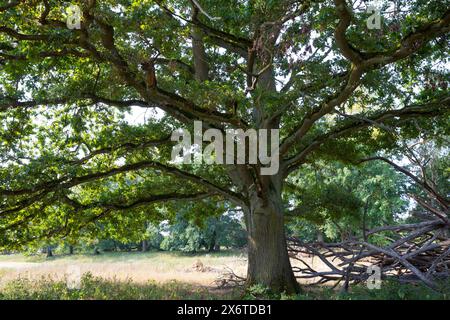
358, 123
69, 182
410, 44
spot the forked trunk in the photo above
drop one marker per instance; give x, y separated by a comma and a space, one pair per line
268, 260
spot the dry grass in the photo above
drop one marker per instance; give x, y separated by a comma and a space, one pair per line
138, 267
159, 275
161, 267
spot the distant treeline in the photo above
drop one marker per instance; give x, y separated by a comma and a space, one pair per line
214, 234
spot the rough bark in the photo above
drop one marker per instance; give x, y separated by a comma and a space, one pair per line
201, 65
268, 260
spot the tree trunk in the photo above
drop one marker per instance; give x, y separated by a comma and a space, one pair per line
201, 65
70, 250
319, 236
144, 245
212, 244
49, 252
268, 260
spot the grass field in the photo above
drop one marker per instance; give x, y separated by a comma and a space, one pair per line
160, 267
159, 275
128, 275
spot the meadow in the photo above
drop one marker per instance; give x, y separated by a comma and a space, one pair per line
164, 275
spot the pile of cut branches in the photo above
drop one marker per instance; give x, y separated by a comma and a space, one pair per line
411, 252
419, 251
229, 279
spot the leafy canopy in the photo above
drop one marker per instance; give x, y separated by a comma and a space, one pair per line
337, 91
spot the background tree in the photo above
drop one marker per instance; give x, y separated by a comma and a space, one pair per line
69, 159
225, 231
338, 200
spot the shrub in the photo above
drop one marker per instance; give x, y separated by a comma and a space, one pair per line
94, 288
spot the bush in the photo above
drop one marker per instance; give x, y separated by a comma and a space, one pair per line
390, 290
94, 288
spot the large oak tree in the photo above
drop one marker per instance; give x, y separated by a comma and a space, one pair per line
335, 89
